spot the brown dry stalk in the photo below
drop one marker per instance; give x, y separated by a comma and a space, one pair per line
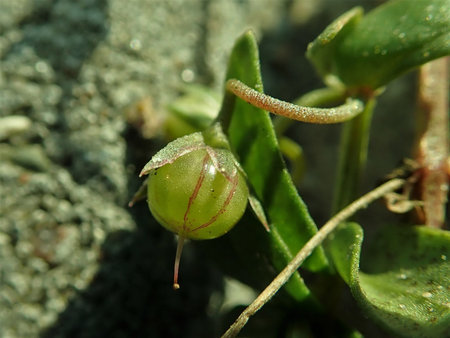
432, 146
299, 258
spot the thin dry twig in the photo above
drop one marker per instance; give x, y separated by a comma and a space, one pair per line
315, 241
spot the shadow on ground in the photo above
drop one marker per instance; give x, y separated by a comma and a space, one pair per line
131, 294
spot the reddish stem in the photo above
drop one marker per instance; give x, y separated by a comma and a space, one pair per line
176, 286
432, 146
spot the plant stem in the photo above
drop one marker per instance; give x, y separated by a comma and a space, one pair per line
304, 114
176, 267
299, 258
316, 98
432, 140
353, 156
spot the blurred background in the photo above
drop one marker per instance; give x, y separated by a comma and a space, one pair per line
75, 261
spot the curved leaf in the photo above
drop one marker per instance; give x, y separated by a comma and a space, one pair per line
385, 43
321, 52
197, 106
406, 282
254, 141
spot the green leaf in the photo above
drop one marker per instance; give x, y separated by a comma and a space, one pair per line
197, 106
254, 141
390, 40
321, 52
406, 278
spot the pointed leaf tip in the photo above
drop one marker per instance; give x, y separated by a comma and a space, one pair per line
173, 150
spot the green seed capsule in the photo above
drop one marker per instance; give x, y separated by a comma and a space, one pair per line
192, 198
196, 188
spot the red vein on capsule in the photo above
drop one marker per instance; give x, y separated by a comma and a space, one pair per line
224, 206
196, 190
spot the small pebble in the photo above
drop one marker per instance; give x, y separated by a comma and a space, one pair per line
12, 125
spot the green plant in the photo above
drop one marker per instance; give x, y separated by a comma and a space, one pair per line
404, 287
196, 188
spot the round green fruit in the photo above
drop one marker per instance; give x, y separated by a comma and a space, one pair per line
192, 198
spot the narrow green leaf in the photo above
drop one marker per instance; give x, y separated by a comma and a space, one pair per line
390, 40
254, 141
405, 285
